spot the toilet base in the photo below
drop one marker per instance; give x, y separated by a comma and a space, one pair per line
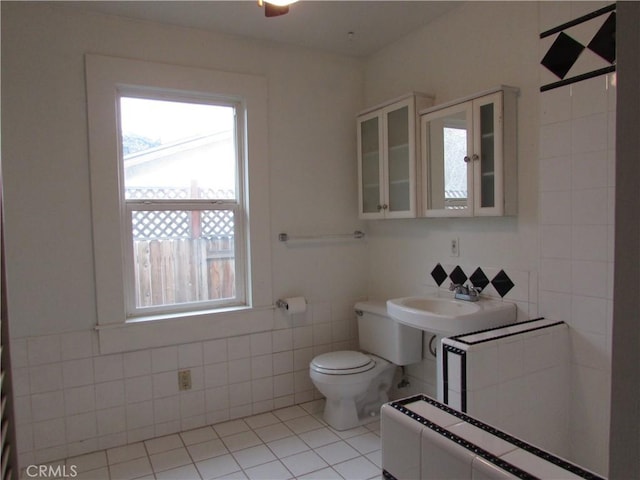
343, 413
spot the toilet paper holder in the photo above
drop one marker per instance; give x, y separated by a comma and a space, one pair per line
281, 304
292, 305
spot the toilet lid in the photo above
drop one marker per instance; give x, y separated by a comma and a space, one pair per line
344, 362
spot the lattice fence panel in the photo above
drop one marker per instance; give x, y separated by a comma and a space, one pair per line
161, 224
175, 224
216, 223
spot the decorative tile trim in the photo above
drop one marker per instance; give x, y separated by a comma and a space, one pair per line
501, 282
498, 336
387, 475
447, 350
455, 438
557, 461
562, 56
578, 21
578, 78
500, 333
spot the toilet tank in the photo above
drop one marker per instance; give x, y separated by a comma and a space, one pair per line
381, 335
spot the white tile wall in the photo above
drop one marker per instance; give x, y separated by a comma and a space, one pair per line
71, 400
577, 165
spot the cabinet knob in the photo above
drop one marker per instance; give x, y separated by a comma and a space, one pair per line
475, 157
379, 207
385, 206
466, 159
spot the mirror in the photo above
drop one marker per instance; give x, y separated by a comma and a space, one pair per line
446, 147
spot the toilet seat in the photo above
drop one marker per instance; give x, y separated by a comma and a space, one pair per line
343, 362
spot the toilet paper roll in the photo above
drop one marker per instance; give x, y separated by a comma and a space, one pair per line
295, 305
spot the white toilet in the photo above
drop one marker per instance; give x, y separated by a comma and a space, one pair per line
355, 384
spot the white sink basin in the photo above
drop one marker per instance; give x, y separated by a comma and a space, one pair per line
448, 316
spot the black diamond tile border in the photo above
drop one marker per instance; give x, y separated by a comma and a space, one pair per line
604, 42
479, 279
562, 55
439, 274
502, 283
458, 276
565, 50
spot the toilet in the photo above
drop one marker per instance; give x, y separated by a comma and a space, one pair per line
355, 384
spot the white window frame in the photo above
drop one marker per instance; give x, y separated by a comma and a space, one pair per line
237, 206
105, 78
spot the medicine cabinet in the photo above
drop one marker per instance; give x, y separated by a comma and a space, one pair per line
469, 165
388, 145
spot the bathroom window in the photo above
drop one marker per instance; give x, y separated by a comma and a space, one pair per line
179, 177
180, 159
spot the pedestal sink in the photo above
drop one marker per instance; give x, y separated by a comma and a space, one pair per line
448, 316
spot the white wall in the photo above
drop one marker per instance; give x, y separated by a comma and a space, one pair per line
70, 398
448, 60
475, 47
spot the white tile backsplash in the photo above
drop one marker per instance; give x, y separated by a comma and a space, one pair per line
239, 347
164, 359
45, 378
137, 363
108, 367
43, 350
109, 394
239, 370
215, 351
134, 395
190, 355
79, 400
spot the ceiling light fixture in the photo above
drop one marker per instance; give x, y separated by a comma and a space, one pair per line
274, 8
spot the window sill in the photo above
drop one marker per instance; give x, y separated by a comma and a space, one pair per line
162, 330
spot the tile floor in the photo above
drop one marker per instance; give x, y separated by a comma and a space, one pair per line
290, 443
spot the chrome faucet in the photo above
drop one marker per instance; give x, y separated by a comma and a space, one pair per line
465, 292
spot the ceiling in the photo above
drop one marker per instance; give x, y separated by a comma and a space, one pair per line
323, 25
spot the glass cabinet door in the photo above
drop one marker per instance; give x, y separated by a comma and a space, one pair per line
399, 162
447, 167
370, 165
488, 147
463, 158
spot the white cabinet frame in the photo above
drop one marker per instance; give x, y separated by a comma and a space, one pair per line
384, 183
504, 146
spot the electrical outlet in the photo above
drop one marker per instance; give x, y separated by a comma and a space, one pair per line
184, 380
454, 247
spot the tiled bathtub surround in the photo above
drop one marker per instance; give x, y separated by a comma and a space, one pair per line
423, 439
514, 378
576, 211
72, 400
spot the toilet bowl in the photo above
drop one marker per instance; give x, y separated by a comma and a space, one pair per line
356, 384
